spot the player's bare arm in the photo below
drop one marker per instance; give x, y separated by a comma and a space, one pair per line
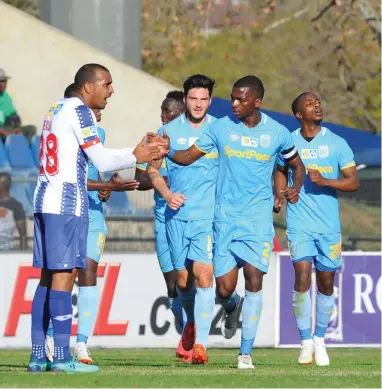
181, 157
348, 183
22, 229
114, 184
143, 178
298, 173
174, 200
280, 184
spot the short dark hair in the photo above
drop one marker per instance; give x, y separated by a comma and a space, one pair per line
176, 95
86, 73
71, 91
296, 101
199, 81
253, 83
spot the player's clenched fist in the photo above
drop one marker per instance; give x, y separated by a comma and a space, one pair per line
290, 194
175, 200
316, 177
278, 203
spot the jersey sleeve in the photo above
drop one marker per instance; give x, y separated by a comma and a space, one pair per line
141, 166
287, 149
280, 161
208, 140
93, 172
84, 127
345, 155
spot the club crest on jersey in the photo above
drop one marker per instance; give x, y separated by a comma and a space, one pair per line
323, 151
234, 137
309, 153
248, 141
181, 141
265, 141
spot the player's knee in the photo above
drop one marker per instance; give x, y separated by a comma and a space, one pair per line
253, 284
224, 289
325, 286
302, 282
46, 278
203, 274
63, 280
171, 288
87, 277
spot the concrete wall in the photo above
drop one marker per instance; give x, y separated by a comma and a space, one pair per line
43, 60
113, 26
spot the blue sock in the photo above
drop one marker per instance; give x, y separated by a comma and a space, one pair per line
324, 310
188, 302
49, 332
60, 307
302, 312
229, 303
204, 307
40, 318
252, 306
178, 312
87, 311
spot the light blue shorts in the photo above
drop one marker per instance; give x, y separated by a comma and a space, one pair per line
189, 241
323, 250
242, 241
96, 244
163, 250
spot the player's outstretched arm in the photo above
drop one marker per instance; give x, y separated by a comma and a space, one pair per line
180, 157
174, 200
186, 157
348, 183
113, 185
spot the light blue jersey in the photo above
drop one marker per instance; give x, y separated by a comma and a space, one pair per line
160, 202
243, 224
197, 181
96, 216
317, 209
246, 162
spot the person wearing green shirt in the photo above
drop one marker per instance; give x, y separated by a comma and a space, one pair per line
10, 122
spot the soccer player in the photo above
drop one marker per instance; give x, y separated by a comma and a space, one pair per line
189, 228
313, 223
98, 192
172, 107
243, 225
69, 138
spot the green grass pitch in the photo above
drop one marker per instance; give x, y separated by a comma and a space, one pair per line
139, 368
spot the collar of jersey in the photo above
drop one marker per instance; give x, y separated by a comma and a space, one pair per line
322, 132
263, 120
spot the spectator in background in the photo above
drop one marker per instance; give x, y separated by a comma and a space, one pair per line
12, 216
10, 122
